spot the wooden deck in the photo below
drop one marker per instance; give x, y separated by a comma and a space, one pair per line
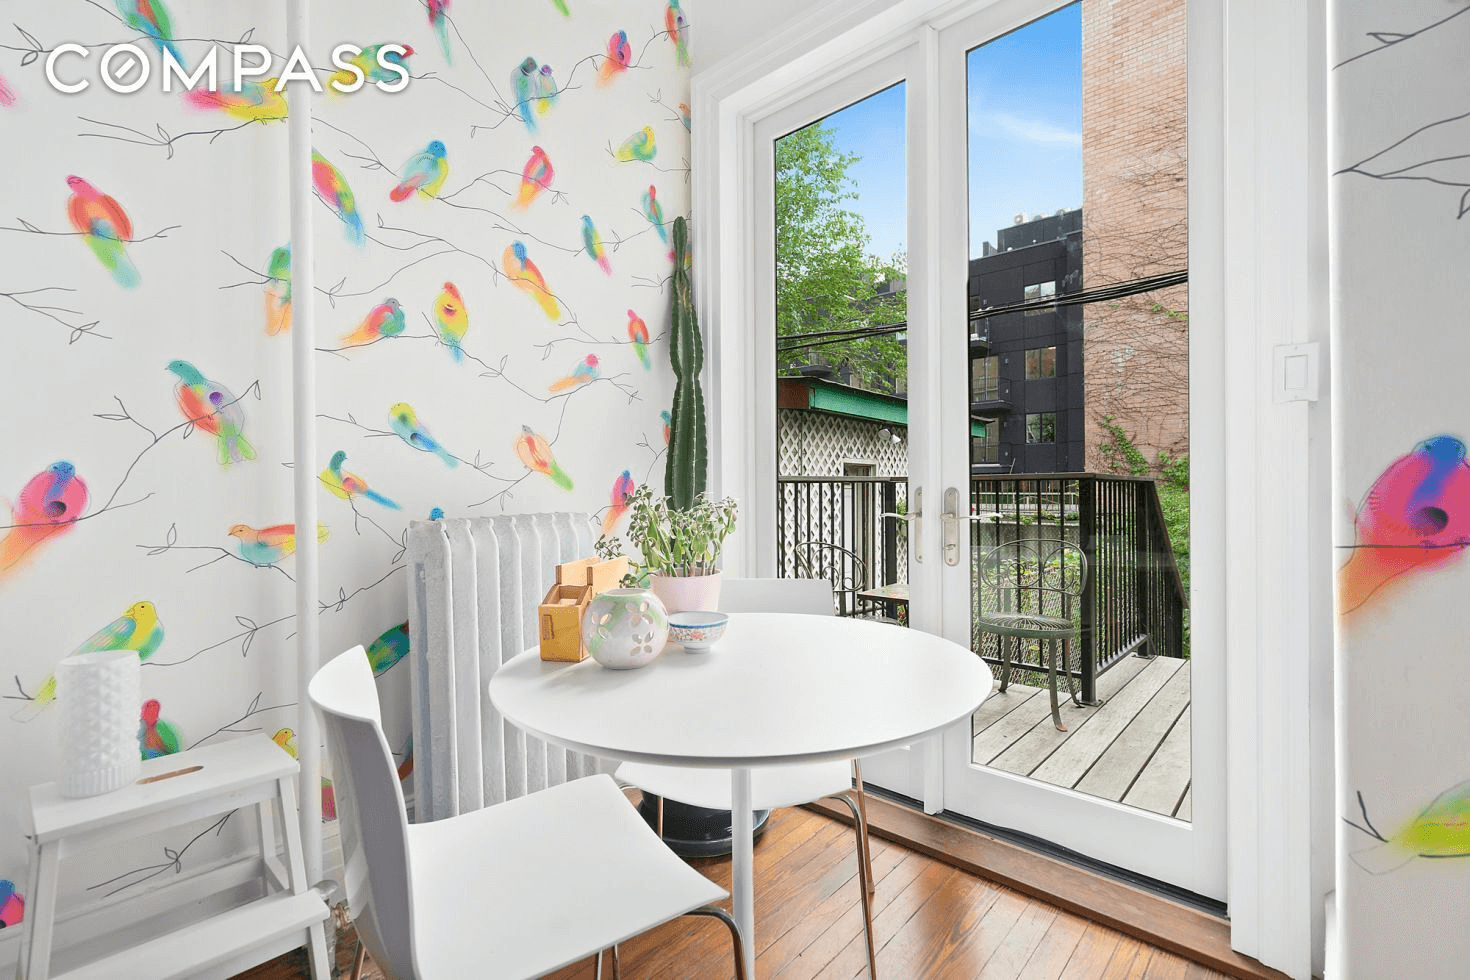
1133, 748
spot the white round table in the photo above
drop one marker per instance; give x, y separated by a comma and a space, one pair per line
778, 688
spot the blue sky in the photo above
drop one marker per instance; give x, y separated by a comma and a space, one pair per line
1025, 112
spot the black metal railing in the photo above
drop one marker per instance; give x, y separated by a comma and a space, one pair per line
834, 528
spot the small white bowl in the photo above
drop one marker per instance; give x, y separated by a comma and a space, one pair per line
697, 630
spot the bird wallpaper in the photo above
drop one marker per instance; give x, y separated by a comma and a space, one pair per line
483, 239
1400, 156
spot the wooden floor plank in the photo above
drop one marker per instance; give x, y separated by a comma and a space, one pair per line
1165, 779
1055, 950
1111, 773
935, 935
1000, 918
1093, 952
853, 957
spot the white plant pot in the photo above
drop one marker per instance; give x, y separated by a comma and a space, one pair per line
683, 593
625, 628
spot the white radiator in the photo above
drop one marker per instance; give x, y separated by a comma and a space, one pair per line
474, 585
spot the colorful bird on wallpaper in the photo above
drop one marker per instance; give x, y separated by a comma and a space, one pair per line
371, 67
535, 452
520, 270
678, 29
439, 20
151, 17
105, 227
156, 737
534, 89
584, 373
350, 485
425, 172
436, 514
268, 545
546, 90
452, 320
384, 320
592, 241
536, 176
622, 491
683, 111
12, 906
561, 6
668, 425
1415, 516
619, 53
7, 95
1441, 830
638, 334
255, 102
49, 504
213, 409
286, 739
388, 649
406, 423
639, 146
653, 210
331, 188
405, 768
278, 291
137, 629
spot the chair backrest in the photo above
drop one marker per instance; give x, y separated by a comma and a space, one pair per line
1034, 575
370, 811
782, 595
844, 569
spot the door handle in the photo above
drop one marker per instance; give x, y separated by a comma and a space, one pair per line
950, 522
916, 547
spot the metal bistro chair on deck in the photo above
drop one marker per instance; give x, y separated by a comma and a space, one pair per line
1032, 590
844, 569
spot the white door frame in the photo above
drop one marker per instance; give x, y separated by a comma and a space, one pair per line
1255, 194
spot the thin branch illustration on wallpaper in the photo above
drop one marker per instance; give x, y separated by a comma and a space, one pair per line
1435, 153
34, 301
1388, 39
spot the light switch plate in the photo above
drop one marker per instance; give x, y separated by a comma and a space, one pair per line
1295, 374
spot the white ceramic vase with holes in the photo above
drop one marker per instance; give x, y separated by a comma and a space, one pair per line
625, 628
686, 593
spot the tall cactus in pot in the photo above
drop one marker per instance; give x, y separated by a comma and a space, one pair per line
688, 458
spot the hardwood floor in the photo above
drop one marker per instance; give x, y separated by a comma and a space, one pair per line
930, 921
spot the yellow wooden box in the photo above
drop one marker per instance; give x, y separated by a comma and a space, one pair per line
560, 614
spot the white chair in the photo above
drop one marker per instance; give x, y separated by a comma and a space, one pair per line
514, 890
774, 786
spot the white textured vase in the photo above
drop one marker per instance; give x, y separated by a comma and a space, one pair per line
100, 695
686, 593
625, 628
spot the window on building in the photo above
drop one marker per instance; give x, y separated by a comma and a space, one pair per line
985, 378
1040, 291
986, 448
1041, 427
1041, 362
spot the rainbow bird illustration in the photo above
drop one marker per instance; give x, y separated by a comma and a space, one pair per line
436, 513
12, 906
278, 291
389, 648
137, 629
425, 172
263, 546
1415, 516
255, 102
151, 17
638, 334
592, 241
584, 373
371, 66
668, 421
7, 94
546, 90
520, 270
350, 485
536, 176
654, 212
384, 320
405, 422
1441, 830
535, 452
622, 490
213, 409
286, 739
48, 505
452, 320
639, 146
619, 53
156, 737
561, 6
439, 20
332, 190
678, 29
683, 111
535, 91
105, 227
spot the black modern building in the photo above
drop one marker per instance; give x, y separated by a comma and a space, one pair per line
1026, 365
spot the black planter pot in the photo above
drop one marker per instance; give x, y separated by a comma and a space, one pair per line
693, 831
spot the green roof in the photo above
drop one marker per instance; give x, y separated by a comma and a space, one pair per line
835, 398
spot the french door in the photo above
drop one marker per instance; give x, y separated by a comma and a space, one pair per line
1041, 385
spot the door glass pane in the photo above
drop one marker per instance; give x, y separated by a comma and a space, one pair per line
1079, 339
841, 355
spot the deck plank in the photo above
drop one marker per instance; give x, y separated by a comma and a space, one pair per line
1161, 786
1186, 805
998, 705
1112, 773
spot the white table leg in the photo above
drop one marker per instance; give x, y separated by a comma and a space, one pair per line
742, 891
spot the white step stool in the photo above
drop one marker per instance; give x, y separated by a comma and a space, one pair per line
175, 789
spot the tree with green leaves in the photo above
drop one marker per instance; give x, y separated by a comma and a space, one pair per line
825, 279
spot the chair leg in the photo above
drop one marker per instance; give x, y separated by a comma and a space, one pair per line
660, 818
359, 960
857, 775
1067, 671
1051, 683
860, 825
597, 967
1005, 661
737, 941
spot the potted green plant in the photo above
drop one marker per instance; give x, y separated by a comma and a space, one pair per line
679, 549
